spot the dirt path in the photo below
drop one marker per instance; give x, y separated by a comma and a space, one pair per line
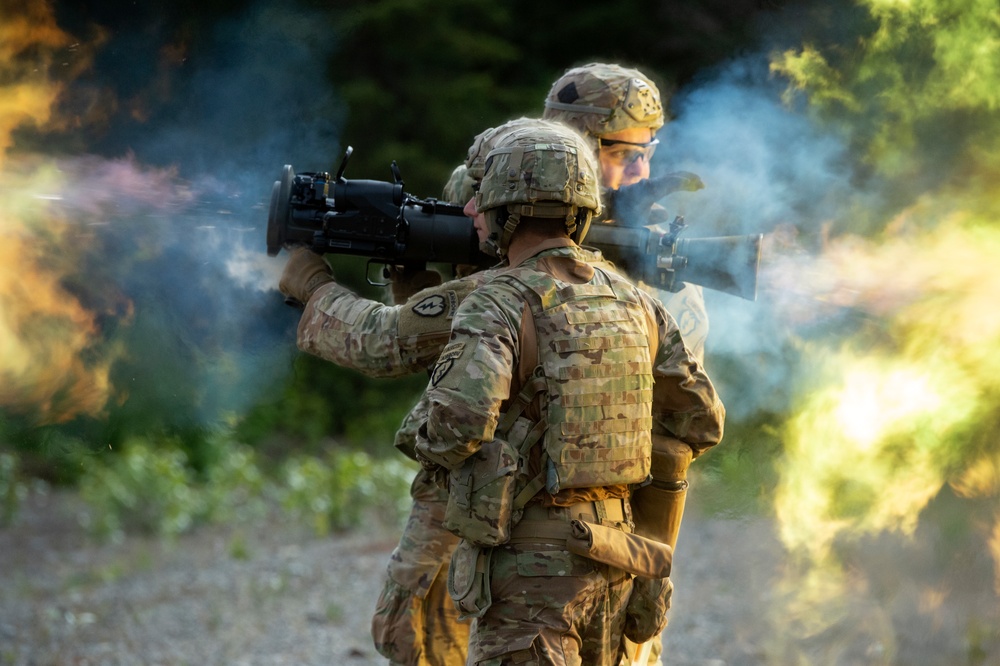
274, 595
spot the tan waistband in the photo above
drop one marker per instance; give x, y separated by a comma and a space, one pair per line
550, 524
601, 511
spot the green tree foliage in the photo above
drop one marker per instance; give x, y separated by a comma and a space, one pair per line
420, 78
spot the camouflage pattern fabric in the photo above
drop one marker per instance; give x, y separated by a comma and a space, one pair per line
687, 307
381, 340
540, 163
599, 378
459, 188
475, 161
467, 389
602, 98
415, 622
574, 611
557, 609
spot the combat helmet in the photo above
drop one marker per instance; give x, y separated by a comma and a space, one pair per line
464, 178
475, 162
539, 169
459, 188
599, 99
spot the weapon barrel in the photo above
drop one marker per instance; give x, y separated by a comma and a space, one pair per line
725, 263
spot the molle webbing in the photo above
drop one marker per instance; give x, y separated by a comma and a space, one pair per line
594, 356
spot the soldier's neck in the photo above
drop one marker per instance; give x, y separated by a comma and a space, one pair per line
527, 243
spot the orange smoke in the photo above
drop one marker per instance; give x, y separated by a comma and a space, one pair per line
54, 364
28, 44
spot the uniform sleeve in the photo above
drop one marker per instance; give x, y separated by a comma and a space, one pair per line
687, 307
471, 379
376, 339
685, 403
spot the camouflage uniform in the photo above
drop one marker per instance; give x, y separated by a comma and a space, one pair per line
415, 623
550, 606
599, 99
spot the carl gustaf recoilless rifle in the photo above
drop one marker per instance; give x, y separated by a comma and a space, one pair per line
380, 221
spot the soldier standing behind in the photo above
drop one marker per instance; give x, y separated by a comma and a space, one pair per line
619, 110
609, 367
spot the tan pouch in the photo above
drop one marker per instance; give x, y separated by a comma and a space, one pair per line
481, 495
630, 552
469, 579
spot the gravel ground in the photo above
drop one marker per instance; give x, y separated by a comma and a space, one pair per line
274, 595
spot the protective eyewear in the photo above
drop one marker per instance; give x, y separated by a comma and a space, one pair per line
627, 153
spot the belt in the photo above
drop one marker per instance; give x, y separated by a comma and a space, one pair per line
551, 524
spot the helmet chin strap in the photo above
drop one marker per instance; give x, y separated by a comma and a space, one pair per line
513, 219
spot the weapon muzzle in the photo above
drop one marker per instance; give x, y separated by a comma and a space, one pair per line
726, 263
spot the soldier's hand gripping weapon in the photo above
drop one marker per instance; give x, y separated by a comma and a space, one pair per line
380, 221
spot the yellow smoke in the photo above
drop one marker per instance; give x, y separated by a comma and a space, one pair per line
928, 66
53, 365
869, 450
898, 414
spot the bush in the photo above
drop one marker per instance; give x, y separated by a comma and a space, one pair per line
236, 489
146, 489
339, 493
150, 487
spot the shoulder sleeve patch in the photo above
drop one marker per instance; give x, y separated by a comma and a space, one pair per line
446, 361
451, 351
431, 314
430, 306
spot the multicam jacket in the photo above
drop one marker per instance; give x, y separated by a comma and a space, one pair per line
473, 376
382, 340
687, 307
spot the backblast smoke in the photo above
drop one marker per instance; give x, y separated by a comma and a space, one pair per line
124, 281
871, 166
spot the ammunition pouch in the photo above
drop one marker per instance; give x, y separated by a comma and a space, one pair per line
481, 495
487, 494
629, 552
646, 611
599, 531
469, 579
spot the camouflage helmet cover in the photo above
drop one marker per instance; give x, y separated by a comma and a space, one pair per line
459, 188
599, 99
539, 169
475, 163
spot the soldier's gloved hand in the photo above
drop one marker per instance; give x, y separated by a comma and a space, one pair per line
687, 181
406, 281
646, 612
304, 273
